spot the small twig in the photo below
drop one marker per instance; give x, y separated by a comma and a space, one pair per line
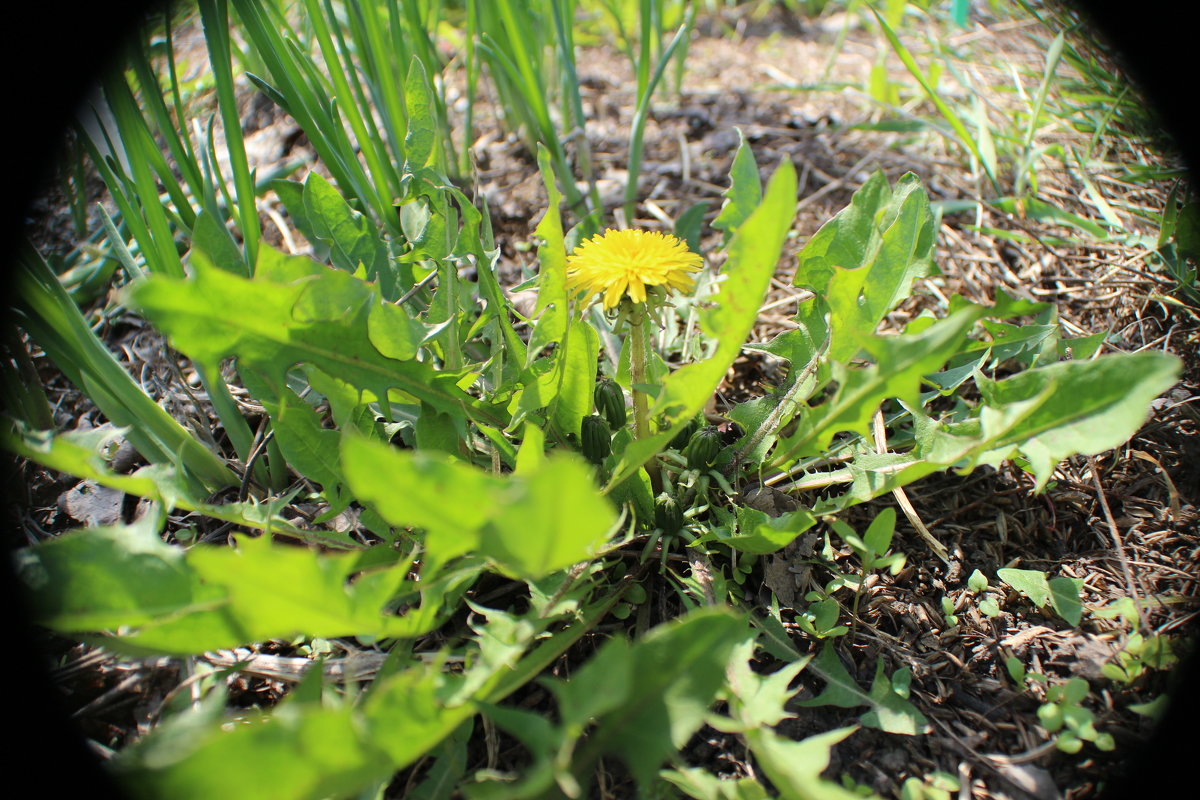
260, 447
1130, 583
359, 666
107, 699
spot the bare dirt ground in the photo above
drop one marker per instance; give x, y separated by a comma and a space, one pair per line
1125, 522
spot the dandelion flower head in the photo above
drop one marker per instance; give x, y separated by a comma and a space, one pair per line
620, 263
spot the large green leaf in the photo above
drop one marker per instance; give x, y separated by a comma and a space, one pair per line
889, 710
50, 316
563, 381
302, 750
108, 577
80, 454
310, 448
1050, 413
532, 523
900, 364
795, 767
761, 534
421, 136
295, 311
679, 668
313, 746
845, 240
861, 294
168, 601
352, 239
744, 193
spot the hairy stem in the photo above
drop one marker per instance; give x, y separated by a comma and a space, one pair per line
786, 402
639, 353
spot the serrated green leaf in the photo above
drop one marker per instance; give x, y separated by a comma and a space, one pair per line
552, 258
309, 447
542, 738
795, 768
744, 192
449, 766
421, 135
901, 363
703, 785
84, 581
688, 225
294, 311
575, 371
760, 534
758, 700
680, 666
530, 524
892, 712
1052, 412
77, 453
351, 237
303, 750
600, 686
394, 332
213, 240
899, 250
210, 598
845, 240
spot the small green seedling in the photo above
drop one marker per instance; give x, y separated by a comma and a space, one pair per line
948, 612
1139, 655
977, 583
820, 619
871, 548
1060, 593
937, 786
1064, 714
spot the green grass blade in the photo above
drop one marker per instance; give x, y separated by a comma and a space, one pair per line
638, 134
955, 122
50, 316
215, 16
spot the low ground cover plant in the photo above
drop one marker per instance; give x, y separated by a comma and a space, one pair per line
449, 500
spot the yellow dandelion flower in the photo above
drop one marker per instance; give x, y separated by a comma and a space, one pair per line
620, 263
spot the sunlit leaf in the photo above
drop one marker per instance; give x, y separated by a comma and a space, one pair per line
293, 311
543, 519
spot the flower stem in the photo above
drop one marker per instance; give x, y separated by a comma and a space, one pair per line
638, 363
